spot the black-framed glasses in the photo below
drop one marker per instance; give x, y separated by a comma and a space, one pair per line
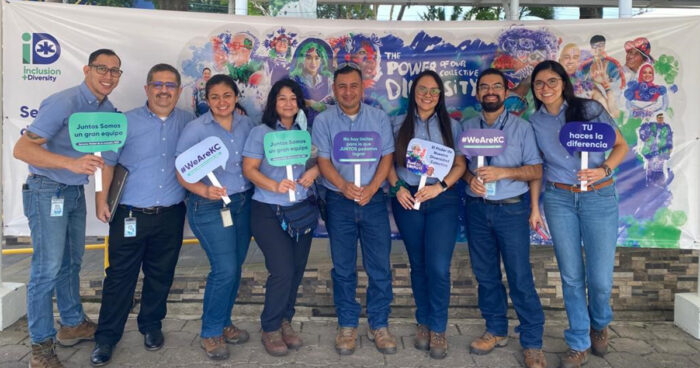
103, 69
423, 90
498, 87
168, 85
551, 83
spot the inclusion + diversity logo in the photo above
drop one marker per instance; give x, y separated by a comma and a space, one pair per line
40, 49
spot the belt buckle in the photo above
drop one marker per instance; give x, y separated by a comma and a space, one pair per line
150, 211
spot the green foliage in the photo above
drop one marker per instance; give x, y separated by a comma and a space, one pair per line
544, 12
483, 13
115, 3
338, 11
667, 66
438, 13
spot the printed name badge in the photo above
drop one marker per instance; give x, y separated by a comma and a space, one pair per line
587, 137
92, 132
429, 158
357, 147
56, 206
226, 218
130, 227
201, 159
290, 147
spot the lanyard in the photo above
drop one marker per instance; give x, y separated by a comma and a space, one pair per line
501, 127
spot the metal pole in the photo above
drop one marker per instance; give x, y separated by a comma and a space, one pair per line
241, 7
514, 9
625, 7
231, 6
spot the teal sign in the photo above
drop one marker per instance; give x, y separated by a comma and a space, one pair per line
92, 132
288, 147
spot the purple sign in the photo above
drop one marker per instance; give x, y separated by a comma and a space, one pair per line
357, 147
482, 142
587, 136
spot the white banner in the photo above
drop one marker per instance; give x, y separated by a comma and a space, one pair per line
643, 70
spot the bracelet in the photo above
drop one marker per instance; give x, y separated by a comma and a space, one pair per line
395, 189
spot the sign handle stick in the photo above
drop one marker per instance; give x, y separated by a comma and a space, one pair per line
290, 176
480, 161
584, 166
423, 178
358, 178
216, 183
98, 175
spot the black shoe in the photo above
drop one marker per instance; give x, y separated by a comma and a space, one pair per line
153, 340
101, 355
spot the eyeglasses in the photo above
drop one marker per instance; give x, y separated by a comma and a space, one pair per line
103, 69
551, 83
423, 90
168, 85
498, 87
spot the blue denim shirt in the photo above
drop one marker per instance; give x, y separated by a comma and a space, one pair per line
429, 131
205, 126
521, 149
559, 165
254, 149
149, 155
51, 123
333, 121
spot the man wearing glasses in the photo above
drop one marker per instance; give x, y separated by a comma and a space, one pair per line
146, 229
54, 203
357, 213
497, 215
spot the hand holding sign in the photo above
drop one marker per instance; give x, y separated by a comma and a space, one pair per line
357, 148
483, 143
287, 148
428, 159
201, 160
586, 137
96, 132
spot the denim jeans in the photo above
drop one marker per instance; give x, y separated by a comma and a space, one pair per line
226, 248
59, 244
429, 235
501, 231
591, 217
348, 222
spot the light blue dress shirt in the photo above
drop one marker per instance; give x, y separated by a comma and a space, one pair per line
333, 121
205, 126
521, 150
52, 123
149, 155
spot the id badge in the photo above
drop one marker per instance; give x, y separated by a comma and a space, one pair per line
226, 217
490, 189
56, 206
130, 227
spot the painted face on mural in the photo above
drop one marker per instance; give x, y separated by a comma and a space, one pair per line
647, 74
206, 74
222, 100
366, 58
241, 46
281, 46
491, 92
633, 59
102, 85
570, 58
427, 95
312, 62
348, 91
163, 92
598, 49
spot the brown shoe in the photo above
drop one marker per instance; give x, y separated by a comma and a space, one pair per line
486, 343
273, 343
345, 340
290, 337
438, 345
574, 359
599, 342
215, 347
235, 335
69, 336
44, 355
383, 340
422, 340
534, 358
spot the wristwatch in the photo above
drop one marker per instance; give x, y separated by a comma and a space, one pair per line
608, 170
443, 185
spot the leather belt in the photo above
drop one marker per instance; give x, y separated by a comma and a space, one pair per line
511, 200
576, 188
148, 210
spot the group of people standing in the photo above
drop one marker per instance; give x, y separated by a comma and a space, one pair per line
156, 200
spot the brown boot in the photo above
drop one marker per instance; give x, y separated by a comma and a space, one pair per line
345, 340
438, 345
273, 343
235, 335
534, 358
486, 343
422, 340
44, 355
383, 340
69, 336
574, 359
290, 337
215, 347
599, 342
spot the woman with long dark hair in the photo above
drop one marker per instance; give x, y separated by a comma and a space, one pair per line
575, 216
430, 232
285, 253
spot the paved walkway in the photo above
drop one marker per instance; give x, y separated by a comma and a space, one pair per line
633, 345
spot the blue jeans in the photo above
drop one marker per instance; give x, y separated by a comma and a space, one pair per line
226, 248
501, 231
59, 244
429, 235
348, 222
591, 217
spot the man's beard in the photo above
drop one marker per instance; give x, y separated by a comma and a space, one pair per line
492, 106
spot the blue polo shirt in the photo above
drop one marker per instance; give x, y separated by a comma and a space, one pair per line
254, 149
429, 131
149, 155
51, 123
521, 150
559, 165
333, 121
205, 126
